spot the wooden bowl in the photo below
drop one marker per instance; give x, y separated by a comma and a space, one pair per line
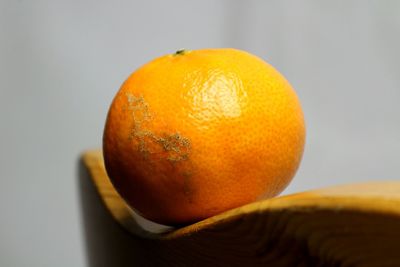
350, 225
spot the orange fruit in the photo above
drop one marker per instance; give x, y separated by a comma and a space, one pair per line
195, 133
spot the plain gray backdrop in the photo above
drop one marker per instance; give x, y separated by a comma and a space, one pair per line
61, 62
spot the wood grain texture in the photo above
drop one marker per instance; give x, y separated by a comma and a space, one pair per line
351, 225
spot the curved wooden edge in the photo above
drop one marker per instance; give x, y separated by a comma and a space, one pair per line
372, 197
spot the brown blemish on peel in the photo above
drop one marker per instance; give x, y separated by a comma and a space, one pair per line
139, 109
186, 183
175, 145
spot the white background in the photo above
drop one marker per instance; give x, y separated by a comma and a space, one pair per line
61, 63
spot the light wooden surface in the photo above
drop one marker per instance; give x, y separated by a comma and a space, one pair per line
351, 225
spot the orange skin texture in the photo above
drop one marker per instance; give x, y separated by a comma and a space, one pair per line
193, 134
